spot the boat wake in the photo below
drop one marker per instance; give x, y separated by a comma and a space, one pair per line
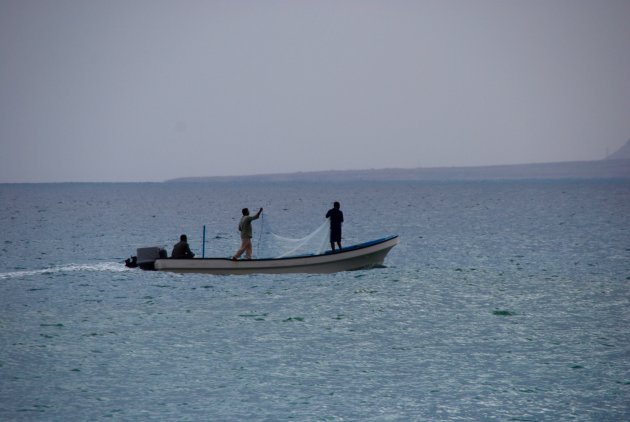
70, 268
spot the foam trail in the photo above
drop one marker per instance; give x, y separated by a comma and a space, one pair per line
104, 266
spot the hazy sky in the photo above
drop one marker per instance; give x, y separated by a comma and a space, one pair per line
147, 90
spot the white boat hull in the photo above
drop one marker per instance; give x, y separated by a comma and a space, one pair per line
367, 255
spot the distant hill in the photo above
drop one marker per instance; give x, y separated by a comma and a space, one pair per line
601, 169
622, 153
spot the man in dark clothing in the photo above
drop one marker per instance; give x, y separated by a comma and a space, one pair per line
336, 218
181, 249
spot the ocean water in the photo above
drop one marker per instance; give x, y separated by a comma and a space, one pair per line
503, 301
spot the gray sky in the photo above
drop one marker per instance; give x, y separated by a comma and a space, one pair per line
147, 90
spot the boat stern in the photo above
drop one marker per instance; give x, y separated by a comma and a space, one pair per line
145, 257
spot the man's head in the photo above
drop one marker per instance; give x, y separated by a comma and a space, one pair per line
336, 205
183, 238
245, 211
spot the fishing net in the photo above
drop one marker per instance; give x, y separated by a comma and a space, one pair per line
271, 245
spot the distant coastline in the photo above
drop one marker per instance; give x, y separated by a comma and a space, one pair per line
600, 169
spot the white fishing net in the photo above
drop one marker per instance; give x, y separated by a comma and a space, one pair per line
269, 244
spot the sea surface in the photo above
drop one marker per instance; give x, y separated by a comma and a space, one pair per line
505, 300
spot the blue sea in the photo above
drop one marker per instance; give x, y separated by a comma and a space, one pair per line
505, 300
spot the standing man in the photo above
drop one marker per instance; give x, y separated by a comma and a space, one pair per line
245, 227
181, 249
336, 218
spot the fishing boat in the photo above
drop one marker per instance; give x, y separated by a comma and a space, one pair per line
364, 255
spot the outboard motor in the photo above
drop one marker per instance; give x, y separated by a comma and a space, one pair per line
146, 257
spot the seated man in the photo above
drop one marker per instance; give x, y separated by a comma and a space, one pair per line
181, 249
